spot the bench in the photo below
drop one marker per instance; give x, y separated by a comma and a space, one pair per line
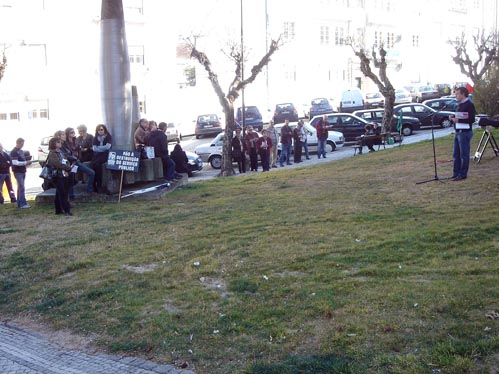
378, 139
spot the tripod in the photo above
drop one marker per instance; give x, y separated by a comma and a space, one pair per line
487, 138
435, 178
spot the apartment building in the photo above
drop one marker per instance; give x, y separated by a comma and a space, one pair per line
52, 48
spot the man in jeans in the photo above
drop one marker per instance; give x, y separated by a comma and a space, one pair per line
19, 168
463, 123
322, 134
5, 163
286, 140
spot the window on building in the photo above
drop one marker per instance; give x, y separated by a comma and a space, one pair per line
136, 54
14, 116
3, 116
33, 114
44, 113
390, 40
142, 106
289, 31
415, 40
290, 74
339, 37
324, 35
134, 6
476, 4
378, 39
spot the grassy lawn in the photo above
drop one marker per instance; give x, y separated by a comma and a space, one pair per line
345, 267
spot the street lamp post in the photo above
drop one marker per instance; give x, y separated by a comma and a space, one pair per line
242, 70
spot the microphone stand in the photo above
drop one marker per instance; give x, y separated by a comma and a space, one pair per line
435, 177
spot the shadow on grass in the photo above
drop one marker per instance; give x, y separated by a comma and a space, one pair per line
325, 364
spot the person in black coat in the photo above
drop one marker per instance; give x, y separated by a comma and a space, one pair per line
159, 140
239, 151
101, 145
180, 159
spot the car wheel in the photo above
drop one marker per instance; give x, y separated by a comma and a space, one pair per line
406, 130
179, 138
198, 136
330, 147
446, 123
216, 162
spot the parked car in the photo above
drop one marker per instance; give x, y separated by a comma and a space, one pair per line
409, 124
212, 152
422, 93
43, 150
374, 100
207, 124
426, 115
447, 103
252, 116
173, 132
285, 111
402, 96
351, 100
334, 141
350, 125
320, 106
194, 163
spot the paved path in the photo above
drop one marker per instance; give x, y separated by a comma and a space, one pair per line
23, 352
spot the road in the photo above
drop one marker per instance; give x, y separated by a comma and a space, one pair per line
33, 181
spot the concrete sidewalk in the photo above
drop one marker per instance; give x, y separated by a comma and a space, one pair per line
23, 352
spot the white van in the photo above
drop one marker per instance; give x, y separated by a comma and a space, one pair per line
351, 100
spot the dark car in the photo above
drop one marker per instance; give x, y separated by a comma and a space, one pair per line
194, 163
422, 93
426, 115
409, 124
252, 116
350, 125
207, 124
320, 106
286, 111
444, 103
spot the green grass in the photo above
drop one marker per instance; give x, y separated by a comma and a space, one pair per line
345, 267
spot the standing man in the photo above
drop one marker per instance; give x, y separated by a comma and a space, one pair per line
463, 123
159, 140
286, 140
274, 136
322, 134
19, 168
251, 138
298, 141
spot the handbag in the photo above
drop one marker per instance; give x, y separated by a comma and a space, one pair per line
47, 172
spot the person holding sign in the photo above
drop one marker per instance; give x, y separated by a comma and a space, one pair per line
463, 124
101, 146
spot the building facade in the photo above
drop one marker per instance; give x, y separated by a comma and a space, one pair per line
52, 47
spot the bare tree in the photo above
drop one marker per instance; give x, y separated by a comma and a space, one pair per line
485, 48
235, 87
381, 80
3, 65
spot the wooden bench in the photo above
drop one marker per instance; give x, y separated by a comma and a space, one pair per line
379, 140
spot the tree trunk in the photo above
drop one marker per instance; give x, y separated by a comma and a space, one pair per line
389, 95
227, 169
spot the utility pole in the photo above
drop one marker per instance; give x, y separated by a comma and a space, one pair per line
243, 109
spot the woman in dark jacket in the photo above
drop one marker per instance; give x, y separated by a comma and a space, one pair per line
238, 151
180, 158
58, 162
101, 146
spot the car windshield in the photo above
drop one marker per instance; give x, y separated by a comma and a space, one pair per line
373, 95
319, 102
208, 118
282, 107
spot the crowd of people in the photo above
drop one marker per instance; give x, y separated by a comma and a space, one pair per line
69, 156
